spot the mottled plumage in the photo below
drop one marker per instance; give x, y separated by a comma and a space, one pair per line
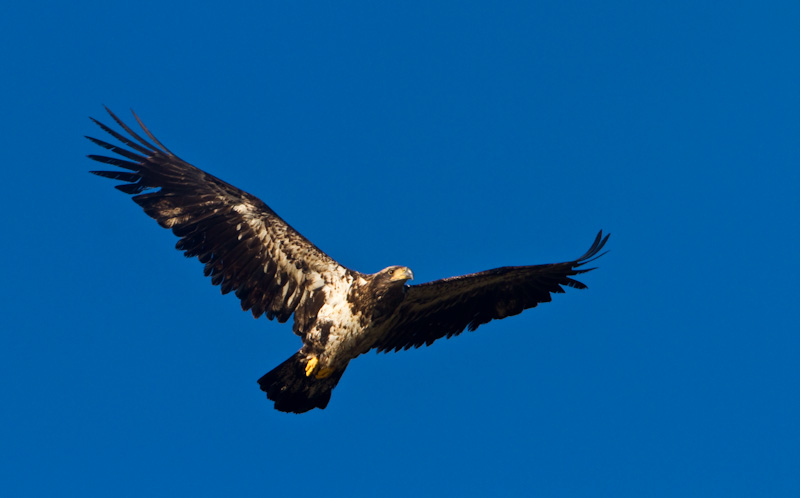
339, 313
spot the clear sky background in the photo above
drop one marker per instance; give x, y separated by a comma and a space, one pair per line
450, 137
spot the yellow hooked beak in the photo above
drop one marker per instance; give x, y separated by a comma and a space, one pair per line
403, 274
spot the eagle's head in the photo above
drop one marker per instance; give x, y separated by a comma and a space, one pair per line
396, 274
387, 289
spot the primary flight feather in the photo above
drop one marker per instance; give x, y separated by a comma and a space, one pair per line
339, 313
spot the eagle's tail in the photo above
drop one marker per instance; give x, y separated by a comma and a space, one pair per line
295, 392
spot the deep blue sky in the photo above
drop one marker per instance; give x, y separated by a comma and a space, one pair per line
450, 137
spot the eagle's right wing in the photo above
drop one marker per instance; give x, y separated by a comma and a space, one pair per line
245, 246
444, 308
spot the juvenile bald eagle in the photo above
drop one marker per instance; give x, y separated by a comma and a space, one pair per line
339, 313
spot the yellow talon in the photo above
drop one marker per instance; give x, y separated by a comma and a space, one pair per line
311, 365
324, 372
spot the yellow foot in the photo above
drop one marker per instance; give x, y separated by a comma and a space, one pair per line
311, 365
324, 372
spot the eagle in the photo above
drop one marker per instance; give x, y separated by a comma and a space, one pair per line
339, 313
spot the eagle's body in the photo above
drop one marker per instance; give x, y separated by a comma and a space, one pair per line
339, 313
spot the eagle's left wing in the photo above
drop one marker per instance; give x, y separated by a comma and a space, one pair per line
245, 246
446, 307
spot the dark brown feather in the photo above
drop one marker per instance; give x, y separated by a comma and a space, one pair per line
447, 307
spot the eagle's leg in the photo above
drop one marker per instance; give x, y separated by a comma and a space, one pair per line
322, 373
311, 365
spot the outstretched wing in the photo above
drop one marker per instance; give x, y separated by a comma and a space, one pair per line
245, 246
446, 307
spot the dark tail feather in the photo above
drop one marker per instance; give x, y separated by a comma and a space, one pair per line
294, 392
